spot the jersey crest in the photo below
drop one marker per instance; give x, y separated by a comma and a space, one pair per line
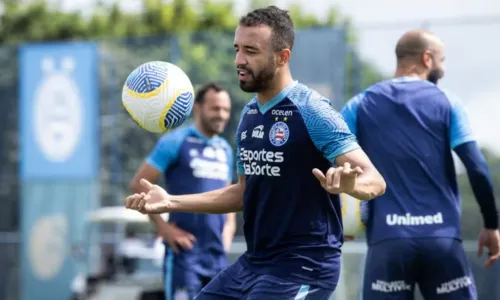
279, 133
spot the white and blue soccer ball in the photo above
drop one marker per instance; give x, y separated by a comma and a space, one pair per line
158, 95
354, 215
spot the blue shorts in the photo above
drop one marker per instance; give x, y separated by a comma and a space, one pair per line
181, 282
239, 283
438, 265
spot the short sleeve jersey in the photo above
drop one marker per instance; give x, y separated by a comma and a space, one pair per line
193, 163
293, 227
408, 127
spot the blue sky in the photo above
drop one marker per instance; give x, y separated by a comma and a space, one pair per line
472, 48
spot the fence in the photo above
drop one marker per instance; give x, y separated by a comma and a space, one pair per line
321, 59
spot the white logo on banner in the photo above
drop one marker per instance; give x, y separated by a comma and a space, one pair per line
47, 248
57, 111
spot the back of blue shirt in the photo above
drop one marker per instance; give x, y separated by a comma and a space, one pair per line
193, 164
293, 227
408, 127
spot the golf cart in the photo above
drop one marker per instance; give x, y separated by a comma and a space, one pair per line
122, 258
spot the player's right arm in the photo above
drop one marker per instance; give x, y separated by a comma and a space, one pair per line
162, 156
350, 112
157, 201
151, 174
225, 200
368, 184
464, 145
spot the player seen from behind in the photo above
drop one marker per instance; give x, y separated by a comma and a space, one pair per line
409, 126
193, 159
288, 140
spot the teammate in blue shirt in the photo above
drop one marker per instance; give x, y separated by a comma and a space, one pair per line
193, 159
409, 126
288, 139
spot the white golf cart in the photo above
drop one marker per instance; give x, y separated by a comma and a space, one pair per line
122, 258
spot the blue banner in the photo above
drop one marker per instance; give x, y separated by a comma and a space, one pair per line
59, 163
59, 90
53, 236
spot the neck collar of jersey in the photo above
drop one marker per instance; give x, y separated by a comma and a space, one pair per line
194, 131
263, 108
406, 79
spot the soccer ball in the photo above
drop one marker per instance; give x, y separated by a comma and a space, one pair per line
354, 215
158, 95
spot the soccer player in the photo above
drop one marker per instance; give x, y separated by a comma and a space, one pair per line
193, 159
409, 126
288, 139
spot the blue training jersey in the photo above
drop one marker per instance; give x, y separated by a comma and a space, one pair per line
293, 227
191, 164
408, 127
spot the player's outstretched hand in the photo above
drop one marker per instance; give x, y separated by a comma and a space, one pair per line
489, 239
339, 180
155, 201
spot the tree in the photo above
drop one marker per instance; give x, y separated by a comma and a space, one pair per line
194, 36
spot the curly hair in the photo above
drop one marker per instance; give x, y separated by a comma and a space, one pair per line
283, 34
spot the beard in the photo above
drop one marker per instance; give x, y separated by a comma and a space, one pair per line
434, 76
259, 81
211, 126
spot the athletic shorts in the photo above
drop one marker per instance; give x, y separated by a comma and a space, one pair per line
239, 283
438, 265
181, 283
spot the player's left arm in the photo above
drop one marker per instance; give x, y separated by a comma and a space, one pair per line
465, 146
369, 184
350, 114
230, 225
355, 174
